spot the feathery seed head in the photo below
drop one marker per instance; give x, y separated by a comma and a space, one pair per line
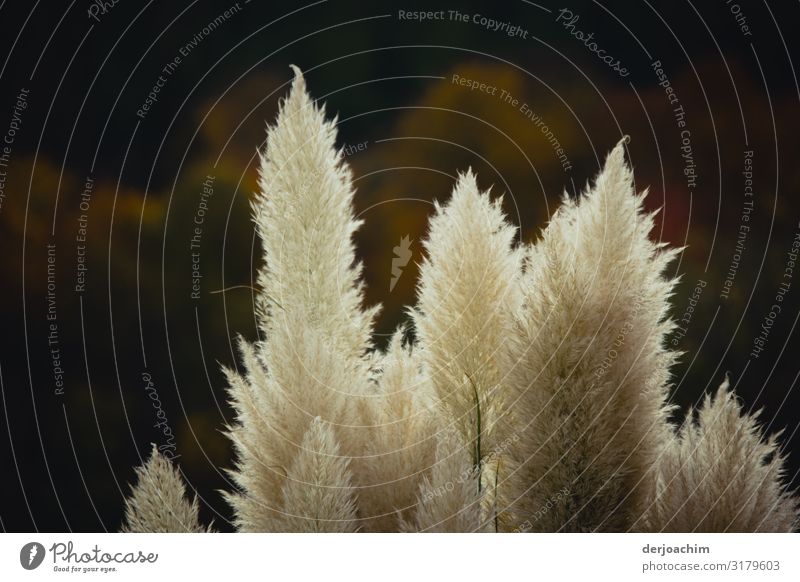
587, 369
468, 291
158, 503
718, 475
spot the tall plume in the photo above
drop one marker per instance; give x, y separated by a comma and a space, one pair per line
588, 370
467, 295
311, 361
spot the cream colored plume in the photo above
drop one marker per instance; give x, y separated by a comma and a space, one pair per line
718, 475
401, 445
158, 502
588, 370
318, 494
304, 217
450, 499
467, 296
312, 361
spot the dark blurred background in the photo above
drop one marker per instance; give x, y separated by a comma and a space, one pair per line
75, 74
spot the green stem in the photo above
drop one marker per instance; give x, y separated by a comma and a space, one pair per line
476, 456
496, 478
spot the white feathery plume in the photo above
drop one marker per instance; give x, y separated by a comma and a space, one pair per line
304, 217
718, 475
401, 445
158, 503
312, 361
449, 499
588, 370
467, 295
318, 494
274, 411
